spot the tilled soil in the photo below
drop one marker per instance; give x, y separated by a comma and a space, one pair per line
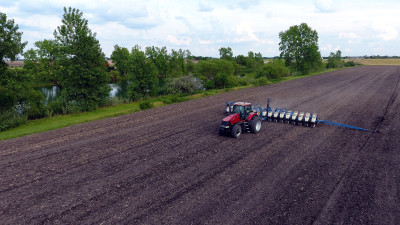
168, 165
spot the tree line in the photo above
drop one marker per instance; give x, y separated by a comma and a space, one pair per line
73, 60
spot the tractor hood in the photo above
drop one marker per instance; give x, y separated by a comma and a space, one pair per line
233, 118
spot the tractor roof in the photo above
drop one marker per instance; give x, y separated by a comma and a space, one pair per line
242, 103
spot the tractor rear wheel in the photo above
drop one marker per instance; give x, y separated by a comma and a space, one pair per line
255, 124
236, 131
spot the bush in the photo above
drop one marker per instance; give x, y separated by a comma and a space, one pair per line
232, 81
114, 76
185, 85
11, 118
209, 84
34, 106
146, 105
274, 69
335, 60
235, 81
210, 68
8, 98
71, 107
56, 106
350, 64
220, 80
243, 81
261, 81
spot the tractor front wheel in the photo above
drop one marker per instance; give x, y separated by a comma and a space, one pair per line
236, 131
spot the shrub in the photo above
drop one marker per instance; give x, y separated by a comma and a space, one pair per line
261, 81
350, 64
71, 107
232, 81
220, 80
209, 84
146, 105
274, 69
185, 84
56, 106
210, 68
335, 60
114, 76
34, 106
11, 118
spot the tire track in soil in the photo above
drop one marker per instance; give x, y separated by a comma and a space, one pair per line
168, 165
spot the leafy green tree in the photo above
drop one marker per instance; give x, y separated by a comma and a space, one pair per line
142, 75
160, 58
335, 60
274, 69
120, 56
42, 63
10, 41
299, 48
259, 59
215, 73
226, 53
82, 65
250, 60
241, 60
16, 97
177, 62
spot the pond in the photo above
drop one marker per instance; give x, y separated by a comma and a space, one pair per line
119, 89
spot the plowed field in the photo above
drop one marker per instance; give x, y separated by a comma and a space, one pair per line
168, 165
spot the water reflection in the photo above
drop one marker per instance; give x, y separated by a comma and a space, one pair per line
51, 93
120, 90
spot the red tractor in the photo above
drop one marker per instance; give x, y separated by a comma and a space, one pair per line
241, 118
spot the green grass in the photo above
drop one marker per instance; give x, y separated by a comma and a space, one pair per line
59, 121
51, 123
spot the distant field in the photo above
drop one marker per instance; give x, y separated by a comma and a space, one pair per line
15, 63
377, 61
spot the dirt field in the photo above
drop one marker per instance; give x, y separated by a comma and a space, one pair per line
168, 165
388, 61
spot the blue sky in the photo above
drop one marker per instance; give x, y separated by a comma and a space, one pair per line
355, 27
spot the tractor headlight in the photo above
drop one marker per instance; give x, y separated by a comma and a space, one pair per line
225, 124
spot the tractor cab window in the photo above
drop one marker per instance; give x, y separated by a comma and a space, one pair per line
247, 110
238, 109
243, 111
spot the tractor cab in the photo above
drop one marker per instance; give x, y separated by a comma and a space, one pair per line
243, 109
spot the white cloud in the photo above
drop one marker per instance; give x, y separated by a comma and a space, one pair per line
239, 24
204, 7
330, 48
351, 38
348, 35
206, 42
325, 5
40, 22
179, 41
245, 33
386, 32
